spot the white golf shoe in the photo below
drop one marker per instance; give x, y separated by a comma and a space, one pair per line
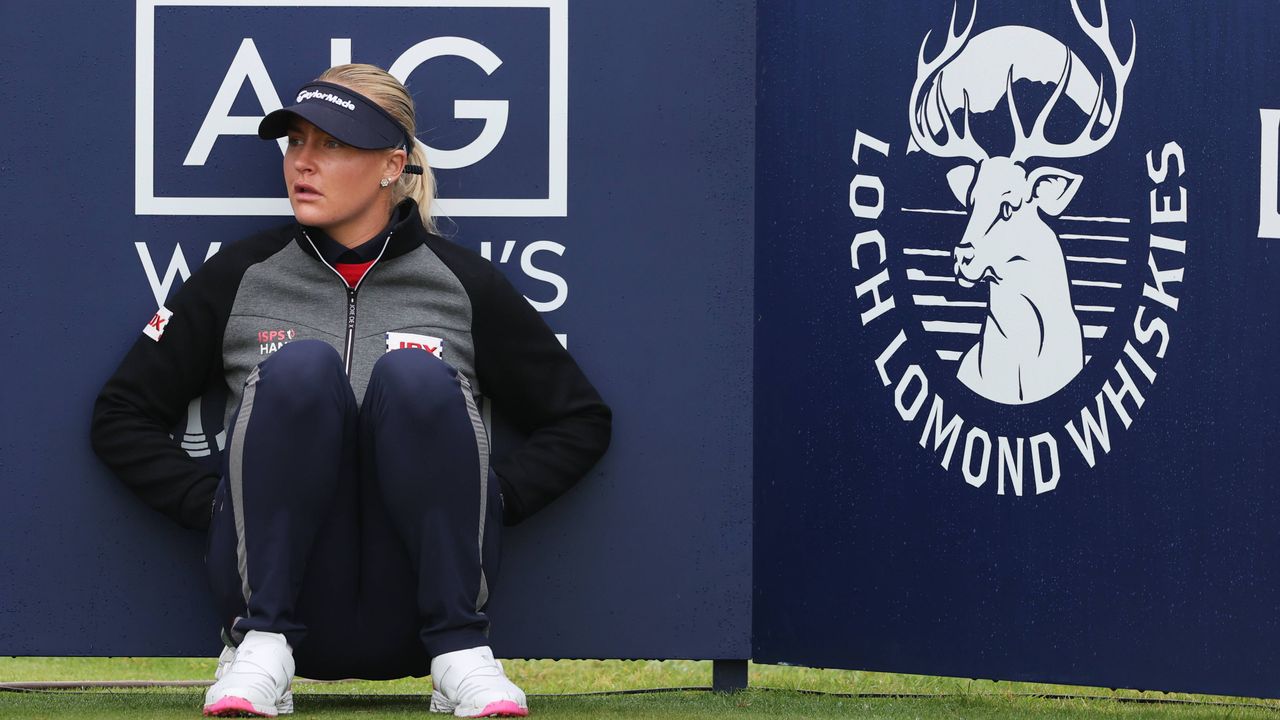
471, 683
255, 679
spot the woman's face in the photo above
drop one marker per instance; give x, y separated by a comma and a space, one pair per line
334, 186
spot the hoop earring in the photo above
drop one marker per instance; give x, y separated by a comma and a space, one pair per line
385, 182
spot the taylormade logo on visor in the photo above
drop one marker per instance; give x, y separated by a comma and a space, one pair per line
309, 94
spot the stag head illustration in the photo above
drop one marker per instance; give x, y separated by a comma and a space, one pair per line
1030, 345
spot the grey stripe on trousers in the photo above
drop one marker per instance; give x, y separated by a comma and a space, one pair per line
482, 445
235, 479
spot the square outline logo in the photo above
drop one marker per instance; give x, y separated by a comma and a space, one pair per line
554, 205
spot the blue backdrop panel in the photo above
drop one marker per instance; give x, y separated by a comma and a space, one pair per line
1094, 500
618, 198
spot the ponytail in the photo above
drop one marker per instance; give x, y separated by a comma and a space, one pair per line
422, 188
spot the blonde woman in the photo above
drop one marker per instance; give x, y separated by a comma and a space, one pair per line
354, 527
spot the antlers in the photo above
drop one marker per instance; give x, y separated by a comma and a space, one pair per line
1035, 144
957, 145
1026, 145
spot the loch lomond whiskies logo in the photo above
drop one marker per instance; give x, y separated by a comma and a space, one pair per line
994, 290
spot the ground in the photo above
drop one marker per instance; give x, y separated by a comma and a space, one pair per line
599, 689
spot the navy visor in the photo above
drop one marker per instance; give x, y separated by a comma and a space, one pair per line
343, 113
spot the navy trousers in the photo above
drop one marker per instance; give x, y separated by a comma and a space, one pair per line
368, 534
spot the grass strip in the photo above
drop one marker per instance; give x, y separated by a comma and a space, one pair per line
605, 688
680, 705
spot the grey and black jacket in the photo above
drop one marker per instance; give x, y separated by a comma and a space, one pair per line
276, 287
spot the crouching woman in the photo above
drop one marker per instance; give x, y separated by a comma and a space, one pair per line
354, 526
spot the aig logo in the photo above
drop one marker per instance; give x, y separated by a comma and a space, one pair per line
489, 79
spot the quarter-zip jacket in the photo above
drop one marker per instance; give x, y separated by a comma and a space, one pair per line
348, 345
276, 287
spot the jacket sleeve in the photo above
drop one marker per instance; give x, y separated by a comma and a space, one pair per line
528, 373
149, 393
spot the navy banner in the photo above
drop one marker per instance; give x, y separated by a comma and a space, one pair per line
1017, 266
1010, 377
612, 185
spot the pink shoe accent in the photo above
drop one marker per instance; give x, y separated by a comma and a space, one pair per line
232, 706
502, 708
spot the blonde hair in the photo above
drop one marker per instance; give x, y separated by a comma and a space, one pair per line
381, 87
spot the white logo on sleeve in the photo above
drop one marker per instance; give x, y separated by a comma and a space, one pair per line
400, 341
158, 323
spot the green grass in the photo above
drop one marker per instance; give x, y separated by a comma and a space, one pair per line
666, 706
777, 692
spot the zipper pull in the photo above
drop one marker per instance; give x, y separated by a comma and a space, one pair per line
349, 348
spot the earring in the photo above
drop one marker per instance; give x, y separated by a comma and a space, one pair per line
385, 182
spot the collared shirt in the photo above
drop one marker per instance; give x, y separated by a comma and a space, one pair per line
336, 253
351, 263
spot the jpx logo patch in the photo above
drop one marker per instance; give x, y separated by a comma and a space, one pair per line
158, 323
489, 79
411, 341
1016, 251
